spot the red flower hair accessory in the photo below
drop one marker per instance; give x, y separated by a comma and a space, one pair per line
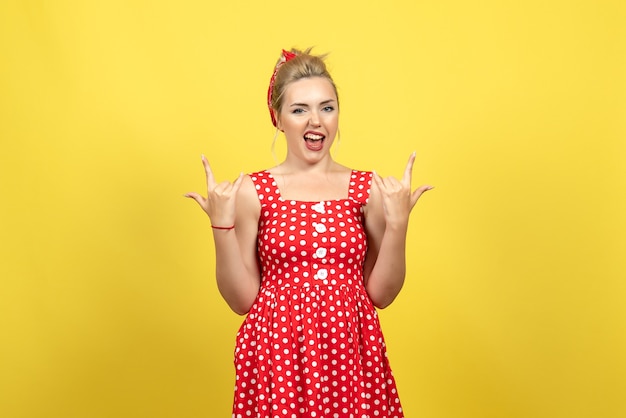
285, 56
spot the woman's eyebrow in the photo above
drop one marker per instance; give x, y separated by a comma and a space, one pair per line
306, 105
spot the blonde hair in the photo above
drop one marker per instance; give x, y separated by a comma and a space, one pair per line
303, 65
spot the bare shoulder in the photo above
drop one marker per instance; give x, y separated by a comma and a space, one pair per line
247, 198
341, 169
374, 206
374, 215
247, 187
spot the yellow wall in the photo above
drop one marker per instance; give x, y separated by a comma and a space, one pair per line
514, 304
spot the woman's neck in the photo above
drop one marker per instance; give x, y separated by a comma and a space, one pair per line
290, 166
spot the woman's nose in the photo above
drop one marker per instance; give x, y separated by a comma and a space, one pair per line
314, 119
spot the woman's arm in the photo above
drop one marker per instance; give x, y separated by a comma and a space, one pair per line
236, 268
233, 204
386, 223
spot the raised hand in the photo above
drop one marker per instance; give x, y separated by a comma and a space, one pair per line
220, 201
398, 199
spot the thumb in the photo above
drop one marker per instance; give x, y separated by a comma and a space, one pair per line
417, 193
195, 196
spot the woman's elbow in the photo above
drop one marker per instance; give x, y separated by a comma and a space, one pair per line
240, 307
382, 303
239, 311
384, 296
240, 304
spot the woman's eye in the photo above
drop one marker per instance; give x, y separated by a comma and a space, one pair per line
297, 110
328, 109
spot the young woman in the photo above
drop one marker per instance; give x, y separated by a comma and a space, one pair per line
307, 249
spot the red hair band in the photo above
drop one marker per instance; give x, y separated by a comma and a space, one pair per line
285, 56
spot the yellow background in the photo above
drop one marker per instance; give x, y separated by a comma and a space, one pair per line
514, 304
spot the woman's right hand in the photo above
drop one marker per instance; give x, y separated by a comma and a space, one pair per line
220, 201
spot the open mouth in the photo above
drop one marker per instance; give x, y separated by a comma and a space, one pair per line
314, 137
314, 141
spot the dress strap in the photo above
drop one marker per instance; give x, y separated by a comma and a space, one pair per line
360, 184
266, 187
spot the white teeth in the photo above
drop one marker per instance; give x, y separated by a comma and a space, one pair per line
313, 137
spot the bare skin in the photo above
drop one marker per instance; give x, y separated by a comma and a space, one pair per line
308, 173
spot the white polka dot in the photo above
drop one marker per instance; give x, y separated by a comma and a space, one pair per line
312, 311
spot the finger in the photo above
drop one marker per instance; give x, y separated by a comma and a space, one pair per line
391, 182
226, 187
222, 188
408, 171
237, 183
418, 193
196, 197
210, 179
378, 180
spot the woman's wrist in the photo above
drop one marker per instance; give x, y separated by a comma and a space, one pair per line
397, 226
223, 228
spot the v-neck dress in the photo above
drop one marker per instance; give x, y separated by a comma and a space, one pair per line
311, 345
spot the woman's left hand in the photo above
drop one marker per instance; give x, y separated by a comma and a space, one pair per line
398, 199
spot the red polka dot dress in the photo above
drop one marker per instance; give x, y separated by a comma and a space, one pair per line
311, 345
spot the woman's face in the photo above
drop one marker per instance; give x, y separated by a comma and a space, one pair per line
309, 118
